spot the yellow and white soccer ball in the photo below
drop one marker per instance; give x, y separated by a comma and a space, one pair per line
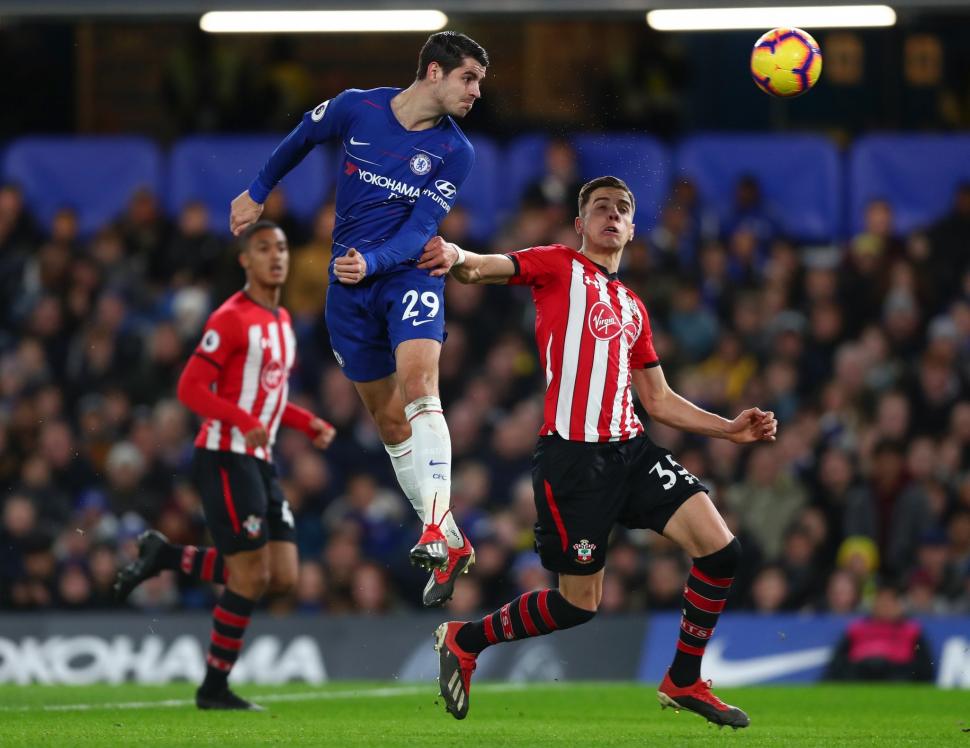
786, 62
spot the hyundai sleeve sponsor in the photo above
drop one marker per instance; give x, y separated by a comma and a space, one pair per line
749, 649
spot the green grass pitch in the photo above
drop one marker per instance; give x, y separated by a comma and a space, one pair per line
502, 715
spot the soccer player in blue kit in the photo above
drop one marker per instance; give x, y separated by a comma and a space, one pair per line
404, 160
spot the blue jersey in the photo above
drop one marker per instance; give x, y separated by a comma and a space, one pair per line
395, 185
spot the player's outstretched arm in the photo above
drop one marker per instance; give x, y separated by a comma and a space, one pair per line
667, 407
441, 257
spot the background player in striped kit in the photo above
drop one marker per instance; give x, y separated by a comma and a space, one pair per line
594, 466
237, 380
404, 160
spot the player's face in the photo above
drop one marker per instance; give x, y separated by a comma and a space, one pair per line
460, 89
267, 258
607, 220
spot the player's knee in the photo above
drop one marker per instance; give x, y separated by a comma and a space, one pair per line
282, 582
252, 582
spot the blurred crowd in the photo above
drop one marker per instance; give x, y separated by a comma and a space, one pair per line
862, 350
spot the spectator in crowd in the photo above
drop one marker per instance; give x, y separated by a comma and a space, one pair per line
885, 645
558, 187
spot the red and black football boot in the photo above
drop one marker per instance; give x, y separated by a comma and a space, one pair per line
431, 550
699, 698
225, 700
441, 585
455, 668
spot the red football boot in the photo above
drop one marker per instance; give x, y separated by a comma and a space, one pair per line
455, 668
699, 698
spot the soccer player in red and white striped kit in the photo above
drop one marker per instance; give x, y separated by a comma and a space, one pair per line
594, 466
238, 380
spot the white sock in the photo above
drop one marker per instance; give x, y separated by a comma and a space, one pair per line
431, 464
400, 455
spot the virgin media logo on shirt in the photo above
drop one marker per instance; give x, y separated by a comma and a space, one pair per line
605, 325
272, 375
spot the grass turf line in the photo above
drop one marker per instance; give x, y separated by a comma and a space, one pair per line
583, 714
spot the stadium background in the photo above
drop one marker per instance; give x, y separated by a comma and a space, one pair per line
832, 287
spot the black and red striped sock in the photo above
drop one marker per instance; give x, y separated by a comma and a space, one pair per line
198, 562
705, 594
229, 621
535, 613
204, 563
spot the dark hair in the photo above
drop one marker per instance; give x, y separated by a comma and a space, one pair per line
448, 49
251, 231
595, 184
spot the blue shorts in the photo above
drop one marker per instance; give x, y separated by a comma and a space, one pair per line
367, 323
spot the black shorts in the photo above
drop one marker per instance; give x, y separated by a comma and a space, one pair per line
583, 488
243, 502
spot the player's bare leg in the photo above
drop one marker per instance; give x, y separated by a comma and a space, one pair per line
284, 565
386, 400
535, 613
249, 577
698, 528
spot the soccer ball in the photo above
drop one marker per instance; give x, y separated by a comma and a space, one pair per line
786, 62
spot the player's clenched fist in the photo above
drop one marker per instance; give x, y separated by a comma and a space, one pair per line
438, 256
325, 433
753, 425
351, 268
257, 437
244, 211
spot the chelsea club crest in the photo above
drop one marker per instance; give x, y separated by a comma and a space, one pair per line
420, 164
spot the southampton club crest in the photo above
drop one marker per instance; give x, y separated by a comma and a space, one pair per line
584, 551
253, 525
420, 164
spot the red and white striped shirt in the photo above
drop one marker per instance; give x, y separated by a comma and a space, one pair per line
592, 331
254, 349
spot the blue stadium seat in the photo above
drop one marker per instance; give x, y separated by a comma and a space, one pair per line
917, 174
523, 163
214, 169
640, 160
94, 175
799, 177
480, 193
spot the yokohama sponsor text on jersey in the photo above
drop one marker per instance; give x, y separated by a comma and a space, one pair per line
592, 331
254, 349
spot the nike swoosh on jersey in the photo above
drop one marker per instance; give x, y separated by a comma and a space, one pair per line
357, 142
750, 670
415, 323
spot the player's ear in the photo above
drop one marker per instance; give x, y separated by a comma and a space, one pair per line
244, 258
578, 225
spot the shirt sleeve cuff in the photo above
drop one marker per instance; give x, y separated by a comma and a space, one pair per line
258, 191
